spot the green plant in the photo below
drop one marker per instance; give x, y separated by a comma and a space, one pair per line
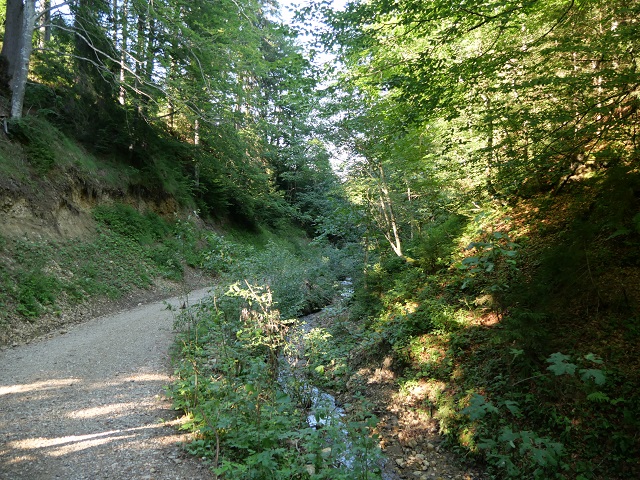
35, 292
128, 222
248, 427
39, 139
520, 453
219, 254
488, 254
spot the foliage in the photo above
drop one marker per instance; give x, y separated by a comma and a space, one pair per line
327, 350
540, 414
41, 275
524, 453
39, 139
247, 425
128, 222
301, 275
211, 103
490, 195
492, 152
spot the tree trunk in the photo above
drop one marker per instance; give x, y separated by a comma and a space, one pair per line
141, 49
45, 27
150, 48
19, 79
114, 23
12, 43
387, 218
196, 142
141, 64
123, 50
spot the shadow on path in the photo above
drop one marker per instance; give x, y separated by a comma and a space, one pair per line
91, 404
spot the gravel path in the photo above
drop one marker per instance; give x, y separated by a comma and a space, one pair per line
89, 403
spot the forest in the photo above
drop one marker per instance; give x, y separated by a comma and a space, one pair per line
470, 167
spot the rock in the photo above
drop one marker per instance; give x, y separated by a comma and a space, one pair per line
311, 469
431, 447
393, 450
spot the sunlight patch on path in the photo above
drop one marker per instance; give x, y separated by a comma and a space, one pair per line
91, 404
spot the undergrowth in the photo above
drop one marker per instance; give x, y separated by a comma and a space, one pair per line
523, 322
250, 418
129, 250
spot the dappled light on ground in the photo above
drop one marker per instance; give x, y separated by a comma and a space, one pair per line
69, 444
37, 386
126, 422
67, 412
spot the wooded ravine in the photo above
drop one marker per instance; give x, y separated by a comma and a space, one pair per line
470, 169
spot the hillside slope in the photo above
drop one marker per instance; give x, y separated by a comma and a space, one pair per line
59, 262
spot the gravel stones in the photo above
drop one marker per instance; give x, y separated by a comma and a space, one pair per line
90, 404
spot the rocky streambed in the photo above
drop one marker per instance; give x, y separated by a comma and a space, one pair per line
410, 442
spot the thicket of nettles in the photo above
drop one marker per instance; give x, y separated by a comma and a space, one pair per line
232, 357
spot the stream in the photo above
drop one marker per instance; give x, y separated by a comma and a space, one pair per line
323, 412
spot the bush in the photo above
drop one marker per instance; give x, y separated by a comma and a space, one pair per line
128, 222
248, 425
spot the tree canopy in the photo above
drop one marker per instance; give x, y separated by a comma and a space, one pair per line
225, 81
469, 100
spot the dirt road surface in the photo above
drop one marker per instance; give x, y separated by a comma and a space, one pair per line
89, 403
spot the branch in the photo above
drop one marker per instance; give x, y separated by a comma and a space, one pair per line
142, 81
558, 22
52, 9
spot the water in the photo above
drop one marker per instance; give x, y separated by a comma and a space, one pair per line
322, 408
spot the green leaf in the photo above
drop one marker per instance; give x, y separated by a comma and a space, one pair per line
593, 358
593, 374
509, 436
619, 232
512, 407
470, 261
478, 407
487, 444
598, 397
559, 364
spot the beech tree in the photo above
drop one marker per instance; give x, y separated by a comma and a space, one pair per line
500, 99
20, 23
224, 77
